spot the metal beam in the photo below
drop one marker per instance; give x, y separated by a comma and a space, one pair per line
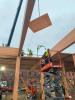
65, 42
29, 9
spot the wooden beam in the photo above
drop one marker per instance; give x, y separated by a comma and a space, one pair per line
29, 9
8, 61
16, 81
65, 42
5, 51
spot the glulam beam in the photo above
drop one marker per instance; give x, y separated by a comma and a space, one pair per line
40, 23
5, 51
28, 13
65, 42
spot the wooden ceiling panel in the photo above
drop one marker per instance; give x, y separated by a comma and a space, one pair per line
33, 62
26, 62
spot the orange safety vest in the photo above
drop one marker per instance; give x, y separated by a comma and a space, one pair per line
33, 90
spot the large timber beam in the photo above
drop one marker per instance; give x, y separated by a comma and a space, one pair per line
29, 9
5, 51
28, 13
65, 42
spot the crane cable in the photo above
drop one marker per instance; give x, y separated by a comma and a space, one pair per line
39, 15
39, 7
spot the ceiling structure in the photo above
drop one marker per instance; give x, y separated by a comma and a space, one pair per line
62, 23
31, 62
26, 62
69, 39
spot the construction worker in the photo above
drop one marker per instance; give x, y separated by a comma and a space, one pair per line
33, 89
46, 62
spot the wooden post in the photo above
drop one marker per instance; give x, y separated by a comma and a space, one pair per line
73, 59
74, 65
42, 83
27, 76
16, 81
64, 80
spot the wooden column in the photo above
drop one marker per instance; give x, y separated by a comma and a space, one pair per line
42, 83
27, 78
64, 80
74, 65
73, 59
16, 81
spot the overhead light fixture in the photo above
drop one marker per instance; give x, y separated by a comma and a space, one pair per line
40, 23
2, 68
